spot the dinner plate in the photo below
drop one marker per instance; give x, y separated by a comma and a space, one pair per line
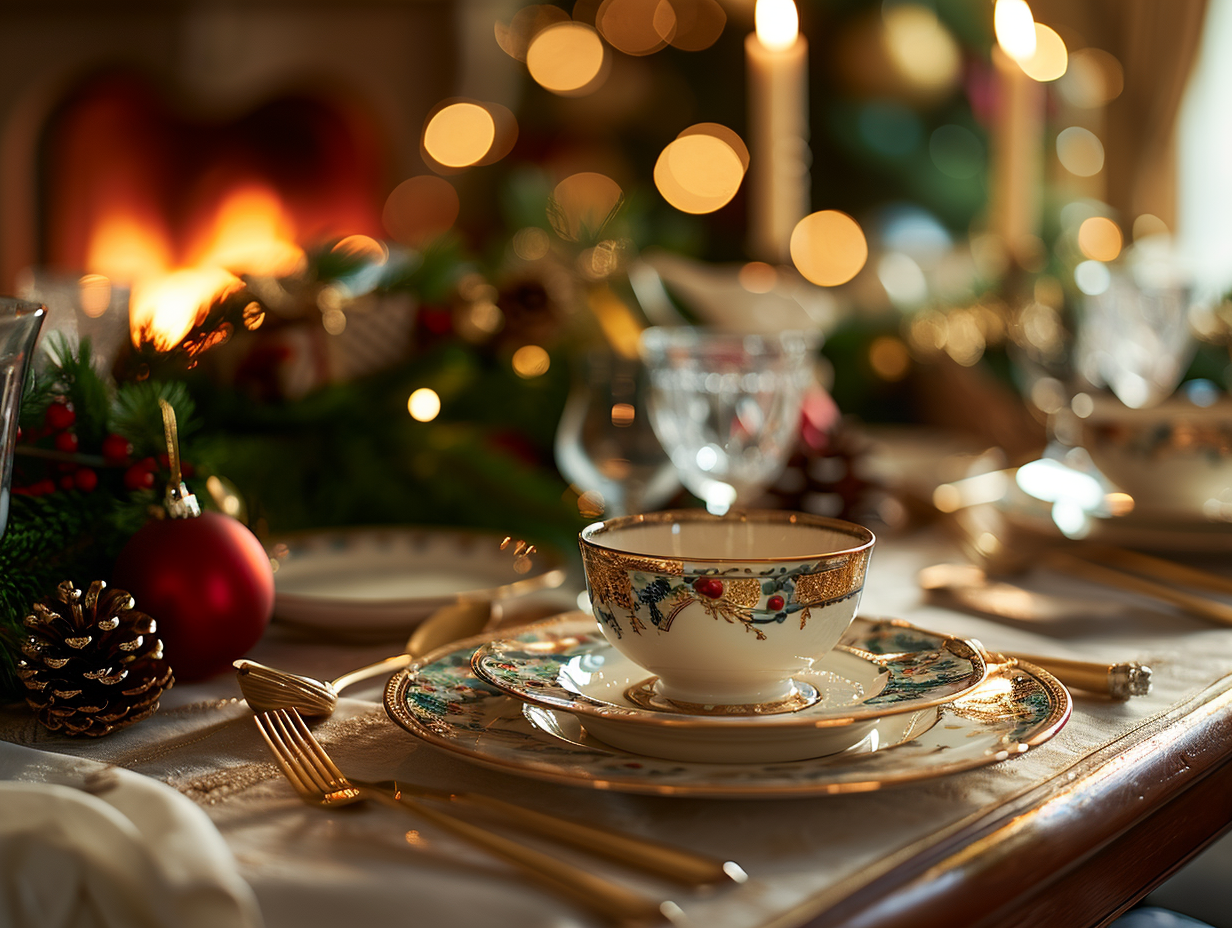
378, 583
882, 668
441, 700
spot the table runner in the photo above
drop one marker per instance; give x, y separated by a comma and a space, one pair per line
370, 867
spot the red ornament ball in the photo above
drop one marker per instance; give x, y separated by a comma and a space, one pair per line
207, 582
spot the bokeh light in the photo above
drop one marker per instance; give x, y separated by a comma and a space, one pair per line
623, 415
1092, 277
777, 23
1051, 59
424, 405
902, 278
591, 504
723, 134
531, 243
1094, 78
253, 316
630, 25
828, 248
567, 59
1100, 239
1147, 225
1080, 151
334, 321
1015, 28
758, 277
515, 37
921, 47
419, 209
582, 204
698, 173
94, 294
689, 25
459, 135
531, 361
506, 133
361, 248
889, 358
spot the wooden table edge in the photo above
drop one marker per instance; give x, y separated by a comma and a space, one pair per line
1006, 866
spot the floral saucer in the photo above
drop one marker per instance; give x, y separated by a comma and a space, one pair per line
883, 669
440, 700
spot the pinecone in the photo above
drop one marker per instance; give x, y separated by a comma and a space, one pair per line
93, 663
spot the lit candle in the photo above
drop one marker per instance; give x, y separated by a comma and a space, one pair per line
1018, 133
777, 57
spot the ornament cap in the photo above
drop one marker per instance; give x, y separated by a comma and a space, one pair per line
181, 504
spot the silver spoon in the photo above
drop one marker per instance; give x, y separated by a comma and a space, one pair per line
267, 688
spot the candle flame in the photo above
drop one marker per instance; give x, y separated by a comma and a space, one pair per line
778, 23
1015, 28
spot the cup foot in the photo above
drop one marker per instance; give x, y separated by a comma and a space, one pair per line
646, 695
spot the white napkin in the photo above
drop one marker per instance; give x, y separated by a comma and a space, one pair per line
130, 853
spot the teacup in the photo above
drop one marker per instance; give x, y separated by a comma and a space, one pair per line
1174, 459
724, 610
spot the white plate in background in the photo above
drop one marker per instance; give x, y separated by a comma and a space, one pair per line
378, 583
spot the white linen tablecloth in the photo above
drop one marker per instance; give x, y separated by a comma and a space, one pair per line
371, 866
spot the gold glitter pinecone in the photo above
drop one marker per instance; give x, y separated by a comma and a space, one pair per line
93, 664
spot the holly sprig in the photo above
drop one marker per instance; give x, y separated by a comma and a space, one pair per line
89, 465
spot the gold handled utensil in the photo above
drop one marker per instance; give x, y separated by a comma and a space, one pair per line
319, 782
662, 860
1119, 681
267, 688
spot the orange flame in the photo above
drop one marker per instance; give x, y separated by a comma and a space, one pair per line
250, 232
163, 309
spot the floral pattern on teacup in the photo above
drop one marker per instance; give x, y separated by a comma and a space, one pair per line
623, 586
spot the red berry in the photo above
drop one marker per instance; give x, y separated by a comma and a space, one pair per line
67, 482
66, 442
164, 461
116, 449
139, 477
709, 587
775, 603
59, 416
43, 487
85, 479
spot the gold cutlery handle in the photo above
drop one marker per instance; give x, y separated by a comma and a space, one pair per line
388, 665
1157, 567
1120, 681
610, 899
645, 854
1195, 605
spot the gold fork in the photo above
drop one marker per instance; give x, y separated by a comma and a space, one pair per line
319, 782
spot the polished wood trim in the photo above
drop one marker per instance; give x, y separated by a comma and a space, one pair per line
1079, 848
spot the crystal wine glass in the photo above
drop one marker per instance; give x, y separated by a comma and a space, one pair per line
605, 444
726, 406
19, 327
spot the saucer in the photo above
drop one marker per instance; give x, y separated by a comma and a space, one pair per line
440, 700
566, 665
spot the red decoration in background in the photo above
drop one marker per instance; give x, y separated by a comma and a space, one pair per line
208, 583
